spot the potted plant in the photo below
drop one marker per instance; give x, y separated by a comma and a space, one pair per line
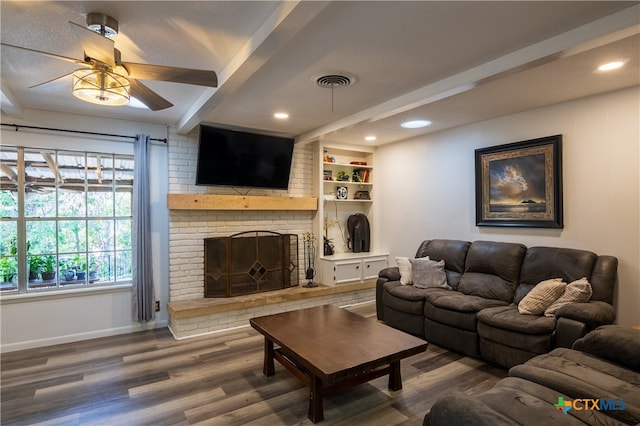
93, 271
69, 268
81, 271
328, 246
8, 269
342, 176
48, 268
81, 268
36, 264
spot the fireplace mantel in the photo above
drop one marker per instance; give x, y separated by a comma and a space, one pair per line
239, 202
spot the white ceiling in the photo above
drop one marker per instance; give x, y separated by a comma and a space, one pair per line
448, 62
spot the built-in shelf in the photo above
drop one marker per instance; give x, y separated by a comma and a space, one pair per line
347, 201
239, 202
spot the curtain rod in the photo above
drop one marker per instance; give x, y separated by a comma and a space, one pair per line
18, 126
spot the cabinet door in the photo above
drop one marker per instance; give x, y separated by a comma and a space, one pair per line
344, 271
371, 267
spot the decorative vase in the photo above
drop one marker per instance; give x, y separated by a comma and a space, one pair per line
328, 249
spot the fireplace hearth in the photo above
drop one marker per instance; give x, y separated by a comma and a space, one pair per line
250, 262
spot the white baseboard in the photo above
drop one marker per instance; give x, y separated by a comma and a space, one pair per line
38, 343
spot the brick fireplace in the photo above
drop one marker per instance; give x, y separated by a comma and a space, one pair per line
191, 314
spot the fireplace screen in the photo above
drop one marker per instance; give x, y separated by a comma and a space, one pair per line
250, 262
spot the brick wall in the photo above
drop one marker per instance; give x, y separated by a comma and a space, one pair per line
187, 229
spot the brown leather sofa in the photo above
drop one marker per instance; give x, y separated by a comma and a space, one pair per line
479, 315
595, 383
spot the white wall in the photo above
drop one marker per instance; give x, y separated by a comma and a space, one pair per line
34, 320
601, 159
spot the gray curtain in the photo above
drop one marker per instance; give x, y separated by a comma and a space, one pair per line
143, 297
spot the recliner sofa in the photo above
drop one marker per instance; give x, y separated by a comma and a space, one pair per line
595, 383
479, 315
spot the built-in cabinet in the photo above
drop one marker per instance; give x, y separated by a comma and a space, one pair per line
346, 185
347, 267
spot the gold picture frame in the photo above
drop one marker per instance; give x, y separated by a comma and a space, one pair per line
520, 184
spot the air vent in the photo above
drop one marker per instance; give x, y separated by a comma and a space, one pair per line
334, 80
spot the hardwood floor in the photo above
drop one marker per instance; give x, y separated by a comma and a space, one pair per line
148, 378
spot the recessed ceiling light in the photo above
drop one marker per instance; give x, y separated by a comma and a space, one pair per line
370, 138
610, 66
415, 124
281, 115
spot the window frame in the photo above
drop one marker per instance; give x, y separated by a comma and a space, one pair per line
23, 283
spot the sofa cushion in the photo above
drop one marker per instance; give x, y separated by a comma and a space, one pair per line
488, 286
456, 309
453, 252
492, 269
542, 296
428, 273
404, 267
404, 298
543, 263
614, 343
461, 302
501, 340
508, 318
578, 291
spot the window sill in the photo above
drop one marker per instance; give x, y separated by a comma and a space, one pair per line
6, 299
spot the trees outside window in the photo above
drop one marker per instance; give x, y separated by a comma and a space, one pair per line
65, 219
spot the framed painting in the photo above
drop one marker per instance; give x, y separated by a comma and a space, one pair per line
520, 184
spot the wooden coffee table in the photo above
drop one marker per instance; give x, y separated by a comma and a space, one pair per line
330, 349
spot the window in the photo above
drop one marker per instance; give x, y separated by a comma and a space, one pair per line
65, 219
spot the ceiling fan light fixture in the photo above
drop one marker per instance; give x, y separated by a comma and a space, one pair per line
102, 24
102, 87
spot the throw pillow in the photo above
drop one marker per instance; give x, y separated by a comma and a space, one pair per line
428, 273
404, 266
578, 291
542, 296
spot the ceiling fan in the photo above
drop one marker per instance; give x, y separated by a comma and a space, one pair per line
106, 80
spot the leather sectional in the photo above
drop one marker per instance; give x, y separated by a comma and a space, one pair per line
479, 315
595, 383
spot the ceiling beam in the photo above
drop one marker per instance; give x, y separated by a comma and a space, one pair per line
288, 19
619, 24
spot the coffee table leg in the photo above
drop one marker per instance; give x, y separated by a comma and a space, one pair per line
268, 369
316, 413
395, 379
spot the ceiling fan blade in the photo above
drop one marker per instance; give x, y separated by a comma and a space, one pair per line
50, 81
51, 55
147, 96
94, 45
173, 74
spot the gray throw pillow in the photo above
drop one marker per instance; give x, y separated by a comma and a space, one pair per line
428, 273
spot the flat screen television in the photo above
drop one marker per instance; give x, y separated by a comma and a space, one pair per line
237, 158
